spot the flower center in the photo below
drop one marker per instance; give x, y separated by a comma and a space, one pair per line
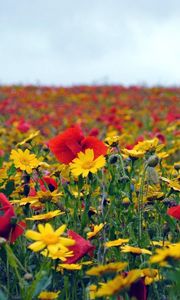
25, 161
88, 165
50, 238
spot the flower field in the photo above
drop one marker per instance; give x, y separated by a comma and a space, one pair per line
89, 193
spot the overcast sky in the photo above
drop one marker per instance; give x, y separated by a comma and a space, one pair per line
65, 42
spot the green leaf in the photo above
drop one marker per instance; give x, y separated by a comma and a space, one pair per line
42, 284
12, 170
9, 188
42, 281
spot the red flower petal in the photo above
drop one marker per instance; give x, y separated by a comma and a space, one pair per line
92, 142
80, 248
5, 220
17, 231
174, 212
49, 181
66, 145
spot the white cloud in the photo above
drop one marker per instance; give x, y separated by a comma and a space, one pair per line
72, 42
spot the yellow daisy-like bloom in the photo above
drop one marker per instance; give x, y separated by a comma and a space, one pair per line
160, 243
85, 163
162, 255
87, 263
70, 267
40, 198
48, 295
148, 145
92, 291
108, 268
95, 231
24, 160
48, 238
3, 174
113, 140
61, 254
150, 275
142, 147
135, 250
174, 184
29, 138
117, 284
47, 216
116, 243
154, 193
133, 153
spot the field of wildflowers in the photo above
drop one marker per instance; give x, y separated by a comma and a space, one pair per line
89, 193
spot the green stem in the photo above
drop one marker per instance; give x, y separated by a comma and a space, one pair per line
121, 161
140, 202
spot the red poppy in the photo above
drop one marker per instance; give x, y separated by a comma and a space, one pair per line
23, 126
65, 146
80, 248
174, 212
50, 182
93, 143
68, 144
9, 230
45, 182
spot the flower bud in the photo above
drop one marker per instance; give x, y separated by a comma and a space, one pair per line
126, 202
124, 179
2, 241
152, 176
177, 166
87, 229
113, 158
170, 202
28, 277
152, 161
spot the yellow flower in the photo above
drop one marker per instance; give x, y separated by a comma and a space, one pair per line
24, 160
154, 193
147, 145
135, 250
61, 254
160, 243
142, 147
96, 229
116, 243
3, 175
117, 284
40, 198
162, 155
112, 140
69, 267
174, 184
47, 216
48, 238
133, 153
150, 275
29, 138
162, 255
85, 163
87, 263
34, 201
108, 268
92, 291
48, 295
